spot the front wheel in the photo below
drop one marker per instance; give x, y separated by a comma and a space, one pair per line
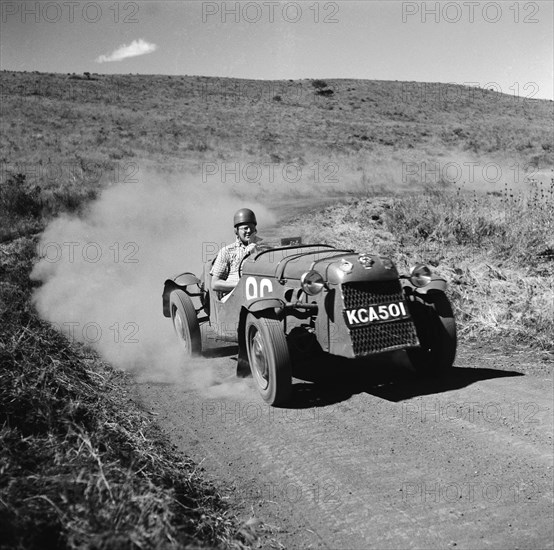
436, 330
269, 359
185, 322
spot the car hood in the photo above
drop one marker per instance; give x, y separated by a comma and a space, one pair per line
335, 266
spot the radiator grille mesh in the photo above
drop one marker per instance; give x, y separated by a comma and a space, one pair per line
378, 337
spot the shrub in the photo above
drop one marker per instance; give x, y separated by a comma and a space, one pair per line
319, 84
326, 92
17, 197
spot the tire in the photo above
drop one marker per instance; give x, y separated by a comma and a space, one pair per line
436, 330
268, 355
185, 323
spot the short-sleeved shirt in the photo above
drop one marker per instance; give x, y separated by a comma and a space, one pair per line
226, 265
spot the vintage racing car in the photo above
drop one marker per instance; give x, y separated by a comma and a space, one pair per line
350, 304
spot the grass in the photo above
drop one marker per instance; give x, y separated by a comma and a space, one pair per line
189, 120
81, 465
496, 252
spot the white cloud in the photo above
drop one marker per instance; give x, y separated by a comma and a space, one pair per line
136, 47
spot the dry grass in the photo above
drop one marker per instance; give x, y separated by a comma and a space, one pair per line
496, 252
80, 465
185, 121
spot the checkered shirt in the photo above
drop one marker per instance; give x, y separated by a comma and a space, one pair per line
226, 265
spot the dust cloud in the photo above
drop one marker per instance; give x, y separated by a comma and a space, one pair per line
102, 273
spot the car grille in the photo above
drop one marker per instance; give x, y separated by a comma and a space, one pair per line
384, 337
363, 294
378, 337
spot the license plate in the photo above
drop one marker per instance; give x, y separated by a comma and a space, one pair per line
363, 316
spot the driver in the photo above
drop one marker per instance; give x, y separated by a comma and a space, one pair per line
225, 270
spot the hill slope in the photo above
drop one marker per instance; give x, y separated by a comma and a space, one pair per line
60, 130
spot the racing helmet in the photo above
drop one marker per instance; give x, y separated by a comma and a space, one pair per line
244, 215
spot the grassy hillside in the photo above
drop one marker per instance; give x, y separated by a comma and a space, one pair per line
70, 454
187, 119
71, 134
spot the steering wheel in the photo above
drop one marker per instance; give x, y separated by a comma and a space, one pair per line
255, 250
242, 261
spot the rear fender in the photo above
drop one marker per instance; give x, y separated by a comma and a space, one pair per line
185, 279
179, 281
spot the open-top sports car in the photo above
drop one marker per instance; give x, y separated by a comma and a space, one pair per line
348, 304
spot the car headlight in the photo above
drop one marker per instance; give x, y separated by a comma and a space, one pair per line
312, 282
420, 275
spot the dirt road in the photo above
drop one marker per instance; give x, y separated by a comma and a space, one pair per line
370, 456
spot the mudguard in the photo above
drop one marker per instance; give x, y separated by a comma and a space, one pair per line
186, 278
434, 285
179, 281
256, 305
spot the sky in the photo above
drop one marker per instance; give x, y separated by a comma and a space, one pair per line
505, 45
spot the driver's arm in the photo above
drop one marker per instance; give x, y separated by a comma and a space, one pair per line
220, 273
222, 285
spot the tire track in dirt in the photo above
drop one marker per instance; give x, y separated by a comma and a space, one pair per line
400, 463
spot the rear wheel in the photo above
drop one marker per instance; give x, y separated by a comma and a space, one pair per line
185, 322
269, 359
436, 330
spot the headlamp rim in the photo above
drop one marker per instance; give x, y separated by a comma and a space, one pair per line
420, 275
304, 284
